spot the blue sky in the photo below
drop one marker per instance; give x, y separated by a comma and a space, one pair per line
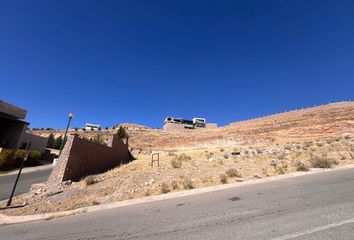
139, 61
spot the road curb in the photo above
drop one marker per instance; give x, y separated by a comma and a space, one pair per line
5, 220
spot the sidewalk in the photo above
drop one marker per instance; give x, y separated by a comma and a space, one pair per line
29, 169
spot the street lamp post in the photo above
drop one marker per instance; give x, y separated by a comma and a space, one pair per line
8, 204
71, 115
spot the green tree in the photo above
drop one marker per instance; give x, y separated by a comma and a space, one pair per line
51, 141
122, 133
98, 139
58, 142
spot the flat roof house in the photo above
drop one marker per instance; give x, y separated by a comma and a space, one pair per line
13, 129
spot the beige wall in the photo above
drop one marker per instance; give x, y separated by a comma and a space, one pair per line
173, 127
38, 143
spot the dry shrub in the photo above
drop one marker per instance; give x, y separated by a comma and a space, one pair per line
164, 188
174, 185
187, 184
301, 167
204, 179
223, 178
89, 180
176, 163
184, 157
322, 162
280, 170
219, 161
232, 172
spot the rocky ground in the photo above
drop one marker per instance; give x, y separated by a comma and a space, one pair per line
186, 169
294, 141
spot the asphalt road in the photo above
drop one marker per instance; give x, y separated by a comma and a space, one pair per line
319, 206
24, 183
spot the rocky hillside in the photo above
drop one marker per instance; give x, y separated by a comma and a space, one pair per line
304, 140
327, 121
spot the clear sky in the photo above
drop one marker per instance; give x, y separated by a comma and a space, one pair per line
139, 61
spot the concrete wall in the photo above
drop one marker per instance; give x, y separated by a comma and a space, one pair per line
173, 127
81, 157
12, 110
211, 125
38, 143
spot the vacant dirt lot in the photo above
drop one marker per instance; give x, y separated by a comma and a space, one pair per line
294, 141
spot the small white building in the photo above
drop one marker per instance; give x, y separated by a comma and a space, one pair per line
93, 127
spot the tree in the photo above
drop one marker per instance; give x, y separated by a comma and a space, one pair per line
51, 141
58, 142
122, 133
98, 139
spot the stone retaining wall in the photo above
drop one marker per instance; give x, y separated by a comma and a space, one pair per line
81, 157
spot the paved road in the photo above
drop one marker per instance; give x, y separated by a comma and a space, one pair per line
319, 206
24, 183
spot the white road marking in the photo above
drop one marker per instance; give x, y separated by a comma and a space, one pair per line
313, 230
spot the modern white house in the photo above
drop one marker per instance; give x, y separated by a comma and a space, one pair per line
93, 127
172, 124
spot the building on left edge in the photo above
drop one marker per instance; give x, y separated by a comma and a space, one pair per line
13, 129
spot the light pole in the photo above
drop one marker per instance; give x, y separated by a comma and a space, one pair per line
71, 115
8, 204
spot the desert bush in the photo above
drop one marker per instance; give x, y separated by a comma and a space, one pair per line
320, 144
10, 158
279, 170
226, 156
301, 167
89, 180
347, 137
221, 149
218, 162
176, 163
232, 172
99, 139
265, 172
184, 157
308, 144
94, 202
187, 184
164, 188
287, 147
204, 179
171, 154
208, 154
121, 133
322, 162
174, 185
223, 178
